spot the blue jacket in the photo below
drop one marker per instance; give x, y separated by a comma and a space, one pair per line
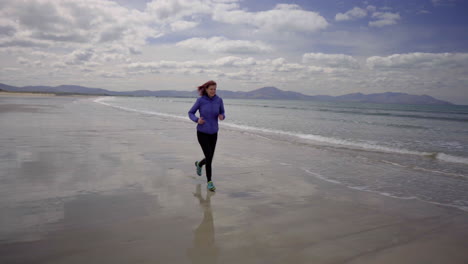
209, 109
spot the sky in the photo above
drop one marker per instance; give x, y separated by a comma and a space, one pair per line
326, 47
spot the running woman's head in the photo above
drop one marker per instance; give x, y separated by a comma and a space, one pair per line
208, 88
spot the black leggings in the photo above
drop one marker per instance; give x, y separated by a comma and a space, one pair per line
208, 145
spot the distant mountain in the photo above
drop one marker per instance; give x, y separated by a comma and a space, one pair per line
72, 89
262, 93
381, 98
5, 87
390, 98
75, 89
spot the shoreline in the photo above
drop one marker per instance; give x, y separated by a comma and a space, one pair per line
84, 182
26, 94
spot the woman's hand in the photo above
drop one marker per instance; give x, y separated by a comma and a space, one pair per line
221, 117
201, 121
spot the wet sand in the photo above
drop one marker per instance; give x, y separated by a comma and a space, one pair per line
82, 182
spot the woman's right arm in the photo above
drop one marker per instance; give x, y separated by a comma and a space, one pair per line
193, 110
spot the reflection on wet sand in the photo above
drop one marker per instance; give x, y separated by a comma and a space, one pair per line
204, 248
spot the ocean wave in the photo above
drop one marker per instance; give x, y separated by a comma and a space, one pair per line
383, 112
101, 101
315, 138
372, 123
389, 114
353, 144
450, 158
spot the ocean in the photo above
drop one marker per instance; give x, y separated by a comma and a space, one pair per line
428, 142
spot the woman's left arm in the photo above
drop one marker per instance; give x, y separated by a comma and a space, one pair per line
221, 116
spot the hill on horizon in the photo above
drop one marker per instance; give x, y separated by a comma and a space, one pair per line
268, 92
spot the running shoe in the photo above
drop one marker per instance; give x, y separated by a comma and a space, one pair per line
211, 186
199, 169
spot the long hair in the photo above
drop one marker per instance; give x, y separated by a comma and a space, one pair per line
202, 88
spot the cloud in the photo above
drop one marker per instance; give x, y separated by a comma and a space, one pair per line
371, 8
25, 43
352, 14
7, 30
232, 61
227, 62
183, 25
163, 64
173, 10
241, 75
111, 75
235, 68
75, 24
443, 2
22, 60
330, 60
80, 56
68, 24
384, 19
419, 60
111, 33
284, 17
30, 62
423, 11
224, 45
380, 18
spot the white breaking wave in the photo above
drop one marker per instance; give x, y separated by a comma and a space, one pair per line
311, 137
330, 140
100, 101
450, 158
354, 145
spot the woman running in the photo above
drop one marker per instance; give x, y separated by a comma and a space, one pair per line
211, 108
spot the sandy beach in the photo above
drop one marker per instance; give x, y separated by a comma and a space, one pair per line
82, 182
